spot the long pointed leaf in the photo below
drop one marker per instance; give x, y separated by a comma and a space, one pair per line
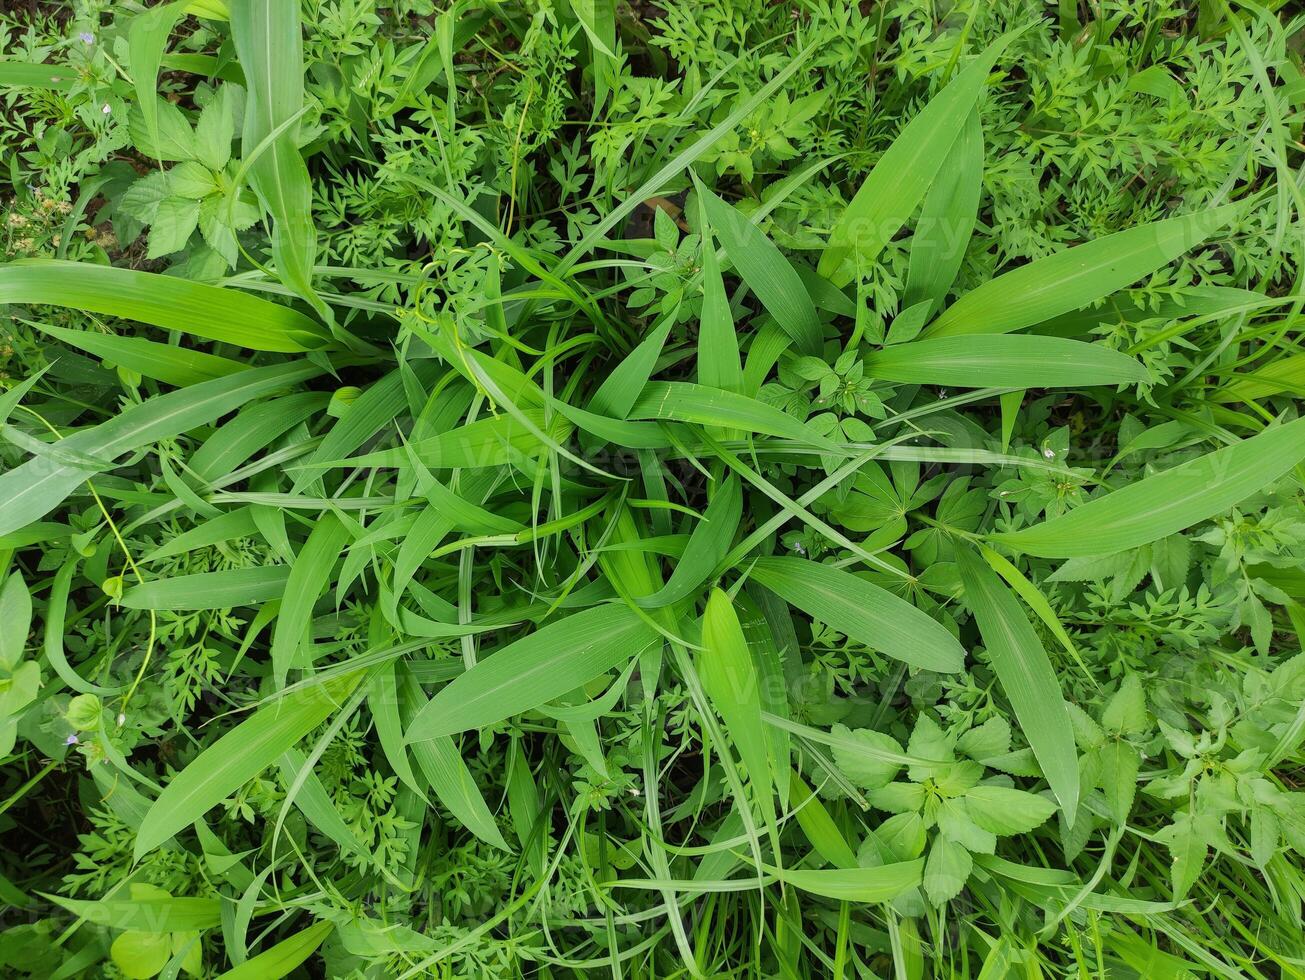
1024, 670
1168, 502
863, 611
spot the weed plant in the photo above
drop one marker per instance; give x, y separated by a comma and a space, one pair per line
709, 489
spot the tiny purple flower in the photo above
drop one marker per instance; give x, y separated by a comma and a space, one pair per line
71, 740
87, 37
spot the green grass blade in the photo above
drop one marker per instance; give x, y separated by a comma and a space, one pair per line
211, 312
284, 957
533, 671
237, 757
898, 182
1004, 362
729, 676
1167, 502
227, 589
707, 545
863, 611
765, 270
32, 490
864, 885
946, 220
1077, 276
163, 362
269, 44
1026, 675
309, 576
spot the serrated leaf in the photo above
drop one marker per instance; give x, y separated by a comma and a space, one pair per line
175, 220
1004, 811
947, 870
1119, 765
867, 771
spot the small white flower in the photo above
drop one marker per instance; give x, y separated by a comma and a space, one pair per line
1049, 453
122, 718
106, 108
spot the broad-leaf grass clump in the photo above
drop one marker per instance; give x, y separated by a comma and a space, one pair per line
696, 490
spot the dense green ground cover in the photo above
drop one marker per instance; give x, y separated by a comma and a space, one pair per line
714, 489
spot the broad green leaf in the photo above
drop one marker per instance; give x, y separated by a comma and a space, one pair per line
899, 180
534, 670
163, 362
946, 220
284, 957
682, 401
619, 390
718, 342
15, 620
269, 43
316, 804
1120, 762
1285, 376
254, 428
707, 545
818, 826
1026, 676
309, 576
210, 590
140, 955
21, 74
948, 868
765, 270
1033, 598
863, 611
866, 885
445, 771
238, 756
1004, 362
35, 488
868, 768
383, 701
147, 38
1168, 502
1078, 276
729, 677
147, 912
237, 523
211, 312
1004, 811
